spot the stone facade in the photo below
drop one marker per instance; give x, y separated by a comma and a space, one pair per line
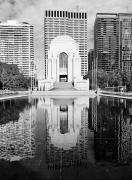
64, 64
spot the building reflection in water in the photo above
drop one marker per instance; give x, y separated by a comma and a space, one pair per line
113, 138
17, 139
69, 140
74, 132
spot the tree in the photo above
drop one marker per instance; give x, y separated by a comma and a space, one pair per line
109, 79
102, 78
11, 78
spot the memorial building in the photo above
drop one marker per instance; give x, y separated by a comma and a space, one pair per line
65, 46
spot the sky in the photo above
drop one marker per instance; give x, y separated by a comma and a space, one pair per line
32, 11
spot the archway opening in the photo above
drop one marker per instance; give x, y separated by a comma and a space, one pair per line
63, 67
64, 119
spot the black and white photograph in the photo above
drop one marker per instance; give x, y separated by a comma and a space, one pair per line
65, 89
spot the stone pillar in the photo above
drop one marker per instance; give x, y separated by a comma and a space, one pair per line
58, 117
57, 69
70, 118
52, 67
73, 59
69, 68
49, 68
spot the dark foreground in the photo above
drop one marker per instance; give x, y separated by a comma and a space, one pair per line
18, 171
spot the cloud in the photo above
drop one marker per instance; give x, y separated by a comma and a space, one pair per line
32, 11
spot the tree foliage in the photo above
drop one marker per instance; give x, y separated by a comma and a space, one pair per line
11, 78
102, 78
109, 79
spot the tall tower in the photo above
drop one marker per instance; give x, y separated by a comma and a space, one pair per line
92, 67
106, 45
125, 23
17, 45
73, 24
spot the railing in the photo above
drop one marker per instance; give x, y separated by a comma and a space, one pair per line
116, 93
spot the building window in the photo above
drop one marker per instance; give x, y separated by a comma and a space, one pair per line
57, 13
46, 13
60, 13
79, 15
82, 15
71, 15
63, 14
74, 15
54, 13
68, 15
85, 15
49, 13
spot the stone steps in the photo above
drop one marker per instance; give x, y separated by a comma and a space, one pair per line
63, 86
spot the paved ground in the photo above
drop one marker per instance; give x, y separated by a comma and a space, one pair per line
12, 96
125, 95
63, 93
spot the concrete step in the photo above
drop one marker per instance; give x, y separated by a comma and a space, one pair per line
63, 86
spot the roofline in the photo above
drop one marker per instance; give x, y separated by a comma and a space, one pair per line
112, 14
106, 14
14, 23
66, 11
125, 14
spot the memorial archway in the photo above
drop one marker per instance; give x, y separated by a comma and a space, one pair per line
63, 67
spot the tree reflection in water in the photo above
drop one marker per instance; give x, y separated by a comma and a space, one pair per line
10, 109
16, 130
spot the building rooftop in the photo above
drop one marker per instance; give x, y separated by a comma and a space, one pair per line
13, 23
109, 15
106, 15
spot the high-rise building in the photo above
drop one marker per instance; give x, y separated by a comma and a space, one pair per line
92, 70
90, 60
17, 46
106, 35
73, 24
113, 41
125, 39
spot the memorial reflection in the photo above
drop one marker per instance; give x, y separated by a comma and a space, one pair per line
69, 141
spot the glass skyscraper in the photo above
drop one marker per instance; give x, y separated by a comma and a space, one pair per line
106, 37
125, 35
113, 41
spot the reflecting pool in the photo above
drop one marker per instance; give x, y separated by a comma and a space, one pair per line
66, 138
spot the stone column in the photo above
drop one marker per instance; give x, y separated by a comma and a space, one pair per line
69, 68
73, 58
49, 68
52, 67
70, 118
58, 117
57, 69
